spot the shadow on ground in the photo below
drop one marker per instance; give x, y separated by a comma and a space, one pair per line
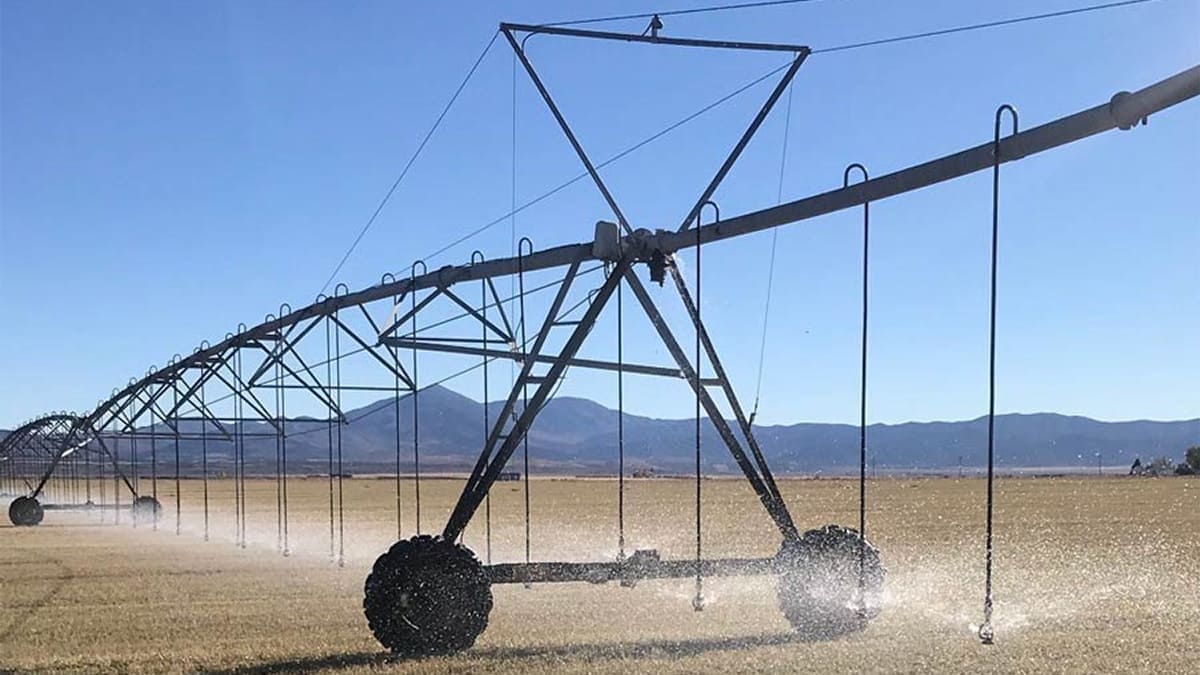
581, 652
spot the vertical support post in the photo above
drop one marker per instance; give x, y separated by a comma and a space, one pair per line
116, 457
154, 470
178, 492
87, 474
102, 486
134, 516
204, 450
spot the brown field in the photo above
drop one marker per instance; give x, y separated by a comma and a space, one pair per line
1093, 575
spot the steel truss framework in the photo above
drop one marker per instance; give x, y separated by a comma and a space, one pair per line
239, 390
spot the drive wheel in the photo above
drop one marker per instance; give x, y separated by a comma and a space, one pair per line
147, 509
25, 512
427, 596
818, 582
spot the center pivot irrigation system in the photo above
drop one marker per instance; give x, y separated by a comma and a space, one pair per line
430, 593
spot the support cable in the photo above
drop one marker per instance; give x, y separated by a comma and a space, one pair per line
743, 88
978, 26
678, 12
404, 172
600, 165
762, 345
986, 632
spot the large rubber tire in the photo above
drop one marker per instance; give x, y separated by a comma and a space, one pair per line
818, 582
427, 596
146, 509
25, 512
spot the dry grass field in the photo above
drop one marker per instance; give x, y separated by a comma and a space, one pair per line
1093, 575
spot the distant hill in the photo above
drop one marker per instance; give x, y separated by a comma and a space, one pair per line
578, 436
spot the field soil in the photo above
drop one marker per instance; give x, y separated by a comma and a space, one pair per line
1092, 575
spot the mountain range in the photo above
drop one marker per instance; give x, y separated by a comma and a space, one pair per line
578, 436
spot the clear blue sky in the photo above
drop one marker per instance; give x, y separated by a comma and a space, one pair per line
171, 169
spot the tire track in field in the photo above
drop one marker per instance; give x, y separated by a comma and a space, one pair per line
62, 580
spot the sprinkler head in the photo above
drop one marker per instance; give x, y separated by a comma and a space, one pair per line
698, 602
987, 636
